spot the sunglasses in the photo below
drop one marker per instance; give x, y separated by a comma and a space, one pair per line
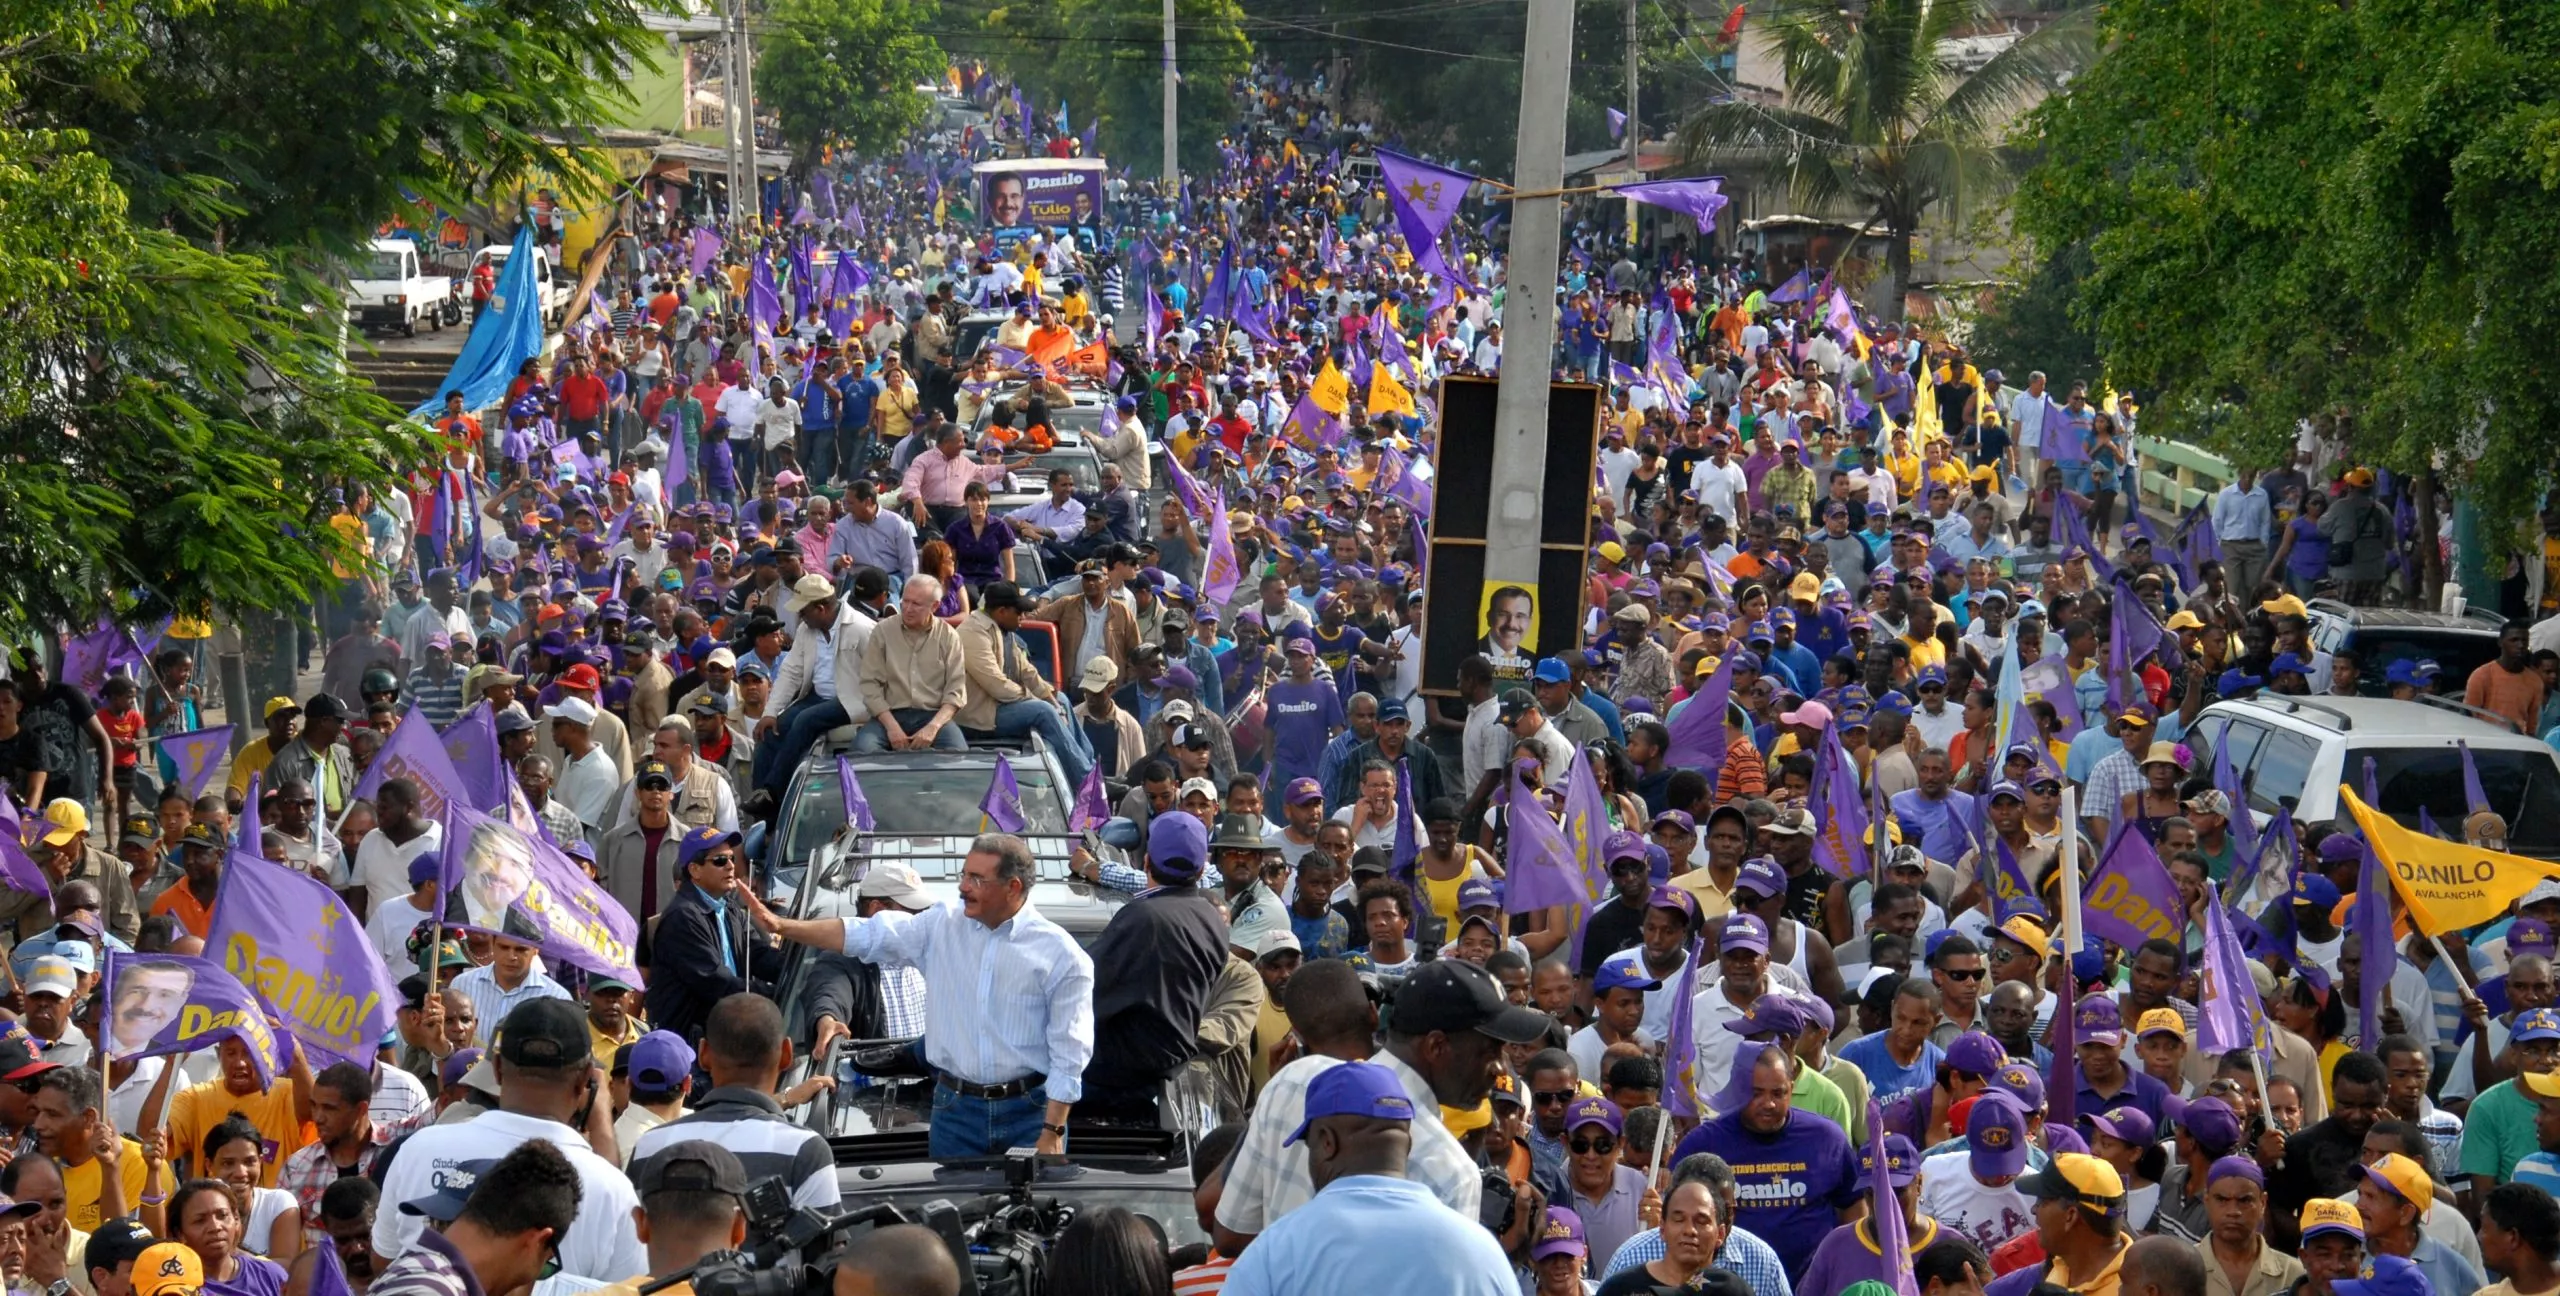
1551, 1097
721, 859
1602, 1145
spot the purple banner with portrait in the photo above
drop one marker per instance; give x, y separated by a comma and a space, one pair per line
161, 1005
500, 880
288, 934
1015, 196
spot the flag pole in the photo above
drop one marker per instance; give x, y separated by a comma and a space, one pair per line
2069, 863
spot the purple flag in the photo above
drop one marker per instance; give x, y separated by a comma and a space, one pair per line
1093, 805
501, 881
195, 754
1218, 301
857, 807
1697, 728
764, 301
2133, 635
1220, 573
2472, 793
1699, 200
1539, 870
166, 1004
2062, 1070
1893, 1237
471, 743
247, 828
1310, 425
18, 870
285, 932
1406, 848
1680, 1042
416, 753
1617, 124
1839, 807
1425, 198
328, 1278
2231, 1014
1186, 488
1586, 825
1797, 287
2244, 826
1002, 805
706, 249
2244, 873
2124, 901
2011, 893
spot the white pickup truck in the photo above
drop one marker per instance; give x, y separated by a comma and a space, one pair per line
551, 284
394, 288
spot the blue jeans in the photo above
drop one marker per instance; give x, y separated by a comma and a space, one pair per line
874, 737
804, 724
818, 452
985, 1127
1033, 716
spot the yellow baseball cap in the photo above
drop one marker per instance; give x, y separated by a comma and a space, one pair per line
167, 1269
69, 820
2285, 605
2403, 1178
1613, 551
2329, 1215
2078, 1178
2160, 1021
2545, 1083
275, 704
1463, 1121
2186, 619
2028, 932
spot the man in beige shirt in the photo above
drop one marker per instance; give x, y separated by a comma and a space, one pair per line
1007, 697
2237, 1258
913, 676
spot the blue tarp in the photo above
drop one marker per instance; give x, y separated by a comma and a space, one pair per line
507, 332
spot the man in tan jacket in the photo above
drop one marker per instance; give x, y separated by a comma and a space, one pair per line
913, 679
1007, 698
1092, 624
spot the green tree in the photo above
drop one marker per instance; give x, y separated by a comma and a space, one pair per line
175, 180
843, 73
1106, 57
2030, 328
1882, 118
2343, 213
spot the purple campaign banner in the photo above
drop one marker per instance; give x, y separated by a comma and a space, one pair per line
18, 870
416, 752
2229, 1016
1002, 805
196, 753
857, 807
164, 1004
1093, 804
288, 934
498, 879
1697, 729
471, 743
1040, 196
2121, 904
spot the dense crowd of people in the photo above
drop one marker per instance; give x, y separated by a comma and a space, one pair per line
1727, 952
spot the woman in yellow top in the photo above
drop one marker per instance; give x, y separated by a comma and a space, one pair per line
1444, 865
1903, 464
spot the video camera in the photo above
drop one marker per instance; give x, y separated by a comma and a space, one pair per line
999, 1241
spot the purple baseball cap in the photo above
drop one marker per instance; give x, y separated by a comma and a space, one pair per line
2022, 1083
1622, 845
2129, 1124
1975, 1053
2530, 936
1743, 931
1762, 876
1770, 1014
1594, 1111
1560, 1235
2209, 1123
2098, 1021
660, 1061
1995, 1135
1301, 791
1901, 1160
1353, 1089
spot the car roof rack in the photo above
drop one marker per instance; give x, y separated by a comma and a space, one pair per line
2297, 706
1124, 1148
2476, 713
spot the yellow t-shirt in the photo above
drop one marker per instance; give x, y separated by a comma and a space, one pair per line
80, 1187
198, 1108
1926, 652
253, 759
359, 541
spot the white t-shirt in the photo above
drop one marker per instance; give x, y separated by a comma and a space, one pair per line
382, 867
266, 1206
1720, 488
389, 927
600, 1244
1986, 1216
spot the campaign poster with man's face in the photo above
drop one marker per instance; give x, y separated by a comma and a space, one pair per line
1004, 198
1507, 622
147, 999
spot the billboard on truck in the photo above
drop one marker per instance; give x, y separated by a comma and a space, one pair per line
1040, 193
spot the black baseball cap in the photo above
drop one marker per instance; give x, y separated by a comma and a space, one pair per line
652, 770
998, 595
116, 1243
324, 706
1452, 996
695, 1165
545, 1033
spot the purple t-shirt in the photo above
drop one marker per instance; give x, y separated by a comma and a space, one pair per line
1303, 718
1850, 1255
980, 553
1794, 1183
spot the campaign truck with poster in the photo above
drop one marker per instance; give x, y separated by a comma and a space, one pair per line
1019, 195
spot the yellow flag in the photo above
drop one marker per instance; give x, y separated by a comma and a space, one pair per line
1332, 391
2448, 886
1385, 393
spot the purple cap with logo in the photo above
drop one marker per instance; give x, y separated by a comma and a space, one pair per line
1353, 1089
1594, 1111
1975, 1053
1995, 1135
1743, 931
1770, 1014
1301, 791
1761, 876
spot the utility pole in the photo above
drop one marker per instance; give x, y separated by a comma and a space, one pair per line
747, 113
730, 40
1172, 154
1529, 299
1635, 119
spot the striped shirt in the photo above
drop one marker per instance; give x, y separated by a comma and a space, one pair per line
1002, 1002
750, 1123
431, 1268
440, 701
491, 1002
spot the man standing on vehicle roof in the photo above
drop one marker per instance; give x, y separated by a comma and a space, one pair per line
1008, 1007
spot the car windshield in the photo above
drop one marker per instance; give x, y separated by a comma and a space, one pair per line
386, 266
2455, 654
922, 799
1088, 472
2522, 786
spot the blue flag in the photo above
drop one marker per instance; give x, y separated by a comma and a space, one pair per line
506, 332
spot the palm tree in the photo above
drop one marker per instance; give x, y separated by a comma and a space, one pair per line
1882, 115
